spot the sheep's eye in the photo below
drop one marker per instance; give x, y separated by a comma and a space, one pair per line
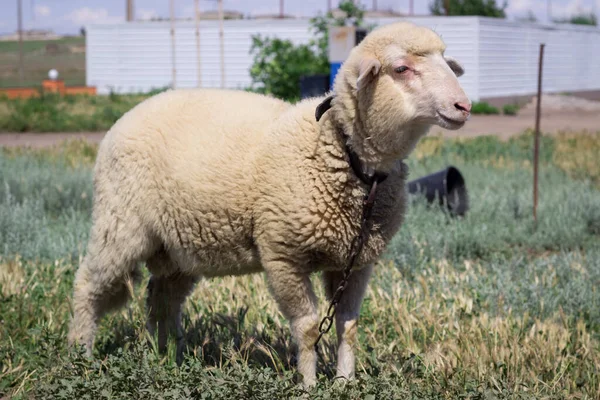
401, 69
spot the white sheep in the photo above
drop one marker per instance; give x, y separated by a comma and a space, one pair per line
204, 183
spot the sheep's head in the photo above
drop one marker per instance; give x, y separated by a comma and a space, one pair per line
396, 84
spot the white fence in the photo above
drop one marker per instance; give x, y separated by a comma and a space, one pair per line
508, 58
500, 57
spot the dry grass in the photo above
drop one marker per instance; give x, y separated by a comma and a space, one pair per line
482, 307
577, 154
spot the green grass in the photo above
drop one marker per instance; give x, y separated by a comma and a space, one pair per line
482, 307
68, 57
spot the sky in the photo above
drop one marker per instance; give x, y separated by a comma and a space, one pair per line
68, 16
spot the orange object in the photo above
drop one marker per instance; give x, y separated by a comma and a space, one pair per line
48, 86
23, 93
51, 86
91, 90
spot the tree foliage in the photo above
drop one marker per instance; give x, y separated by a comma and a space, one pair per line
485, 8
352, 14
279, 64
580, 19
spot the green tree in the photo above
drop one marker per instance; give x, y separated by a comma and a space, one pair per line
353, 14
580, 19
485, 8
279, 64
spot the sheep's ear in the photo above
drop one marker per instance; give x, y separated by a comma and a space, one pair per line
367, 69
455, 66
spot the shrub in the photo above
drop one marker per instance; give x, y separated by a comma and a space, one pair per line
279, 64
510, 109
481, 107
580, 19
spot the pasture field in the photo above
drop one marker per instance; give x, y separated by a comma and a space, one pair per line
67, 55
484, 307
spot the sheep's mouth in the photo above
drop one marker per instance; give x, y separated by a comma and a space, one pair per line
453, 123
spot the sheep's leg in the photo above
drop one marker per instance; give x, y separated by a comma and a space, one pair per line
101, 282
346, 316
294, 294
98, 290
166, 295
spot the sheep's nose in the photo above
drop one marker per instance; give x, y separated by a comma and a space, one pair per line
466, 107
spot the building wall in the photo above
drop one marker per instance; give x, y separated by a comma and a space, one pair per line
500, 57
509, 54
136, 57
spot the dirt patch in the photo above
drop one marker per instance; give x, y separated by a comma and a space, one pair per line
506, 126
45, 139
558, 103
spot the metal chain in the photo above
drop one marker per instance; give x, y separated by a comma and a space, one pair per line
355, 249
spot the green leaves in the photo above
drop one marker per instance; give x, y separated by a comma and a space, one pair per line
580, 19
279, 64
485, 8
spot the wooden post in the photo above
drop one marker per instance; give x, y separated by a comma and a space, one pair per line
281, 14
411, 7
447, 7
198, 57
20, 33
536, 144
129, 11
221, 44
173, 55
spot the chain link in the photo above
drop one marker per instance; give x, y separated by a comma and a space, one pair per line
355, 249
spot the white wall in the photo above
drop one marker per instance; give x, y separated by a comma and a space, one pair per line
500, 57
509, 53
136, 57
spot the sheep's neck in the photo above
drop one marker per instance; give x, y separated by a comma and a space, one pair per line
378, 147
382, 148
365, 174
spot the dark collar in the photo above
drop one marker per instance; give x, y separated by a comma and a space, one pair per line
368, 178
